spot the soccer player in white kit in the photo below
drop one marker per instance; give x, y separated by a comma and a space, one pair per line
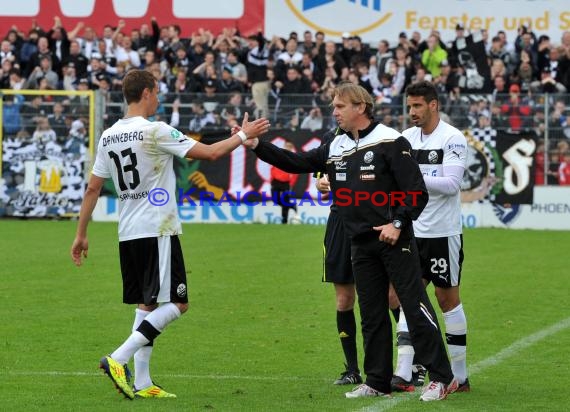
138, 155
440, 150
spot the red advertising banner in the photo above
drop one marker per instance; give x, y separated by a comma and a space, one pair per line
246, 15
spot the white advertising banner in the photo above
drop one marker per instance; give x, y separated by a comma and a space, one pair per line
550, 210
374, 20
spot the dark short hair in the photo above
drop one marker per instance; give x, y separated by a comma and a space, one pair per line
134, 84
422, 89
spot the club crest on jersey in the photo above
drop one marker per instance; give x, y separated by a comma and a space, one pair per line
340, 164
433, 157
175, 134
181, 290
368, 157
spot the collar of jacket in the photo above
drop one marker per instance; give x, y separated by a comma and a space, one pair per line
362, 133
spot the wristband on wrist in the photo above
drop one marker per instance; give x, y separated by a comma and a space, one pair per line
242, 136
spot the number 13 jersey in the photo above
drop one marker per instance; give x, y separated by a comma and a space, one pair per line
138, 155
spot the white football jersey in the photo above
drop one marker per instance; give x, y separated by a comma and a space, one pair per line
445, 146
138, 155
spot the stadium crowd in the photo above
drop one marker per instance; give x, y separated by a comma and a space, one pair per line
485, 80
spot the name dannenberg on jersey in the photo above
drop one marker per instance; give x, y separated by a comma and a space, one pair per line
445, 146
138, 155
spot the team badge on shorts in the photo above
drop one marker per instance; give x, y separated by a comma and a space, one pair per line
181, 290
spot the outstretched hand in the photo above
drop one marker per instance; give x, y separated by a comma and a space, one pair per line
255, 128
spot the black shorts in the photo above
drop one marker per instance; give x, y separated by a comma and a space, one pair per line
337, 266
441, 259
153, 270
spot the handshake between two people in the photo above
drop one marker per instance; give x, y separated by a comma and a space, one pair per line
252, 130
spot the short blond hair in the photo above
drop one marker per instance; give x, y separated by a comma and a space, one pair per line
355, 94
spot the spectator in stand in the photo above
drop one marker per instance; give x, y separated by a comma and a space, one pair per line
233, 110
526, 42
361, 71
44, 70
75, 57
99, 66
257, 61
499, 51
382, 57
518, 114
560, 126
31, 112
201, 71
307, 45
498, 69
125, 53
433, 56
5, 70
17, 82
313, 121
88, 44
500, 90
69, 81
294, 88
181, 61
43, 134
148, 40
559, 66
333, 60
524, 75
57, 120
239, 71
319, 49
29, 48
539, 161
227, 83
306, 66
43, 51
108, 62
11, 115
59, 41
183, 84
6, 52
564, 170
345, 50
200, 118
547, 84
360, 52
288, 58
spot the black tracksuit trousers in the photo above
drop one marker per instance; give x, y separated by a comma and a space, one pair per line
375, 264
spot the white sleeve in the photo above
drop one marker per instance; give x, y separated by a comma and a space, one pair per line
448, 184
455, 151
171, 140
101, 167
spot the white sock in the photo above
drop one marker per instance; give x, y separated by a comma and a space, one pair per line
163, 315
456, 336
126, 351
405, 349
142, 356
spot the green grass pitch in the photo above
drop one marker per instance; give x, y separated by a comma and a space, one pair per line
260, 334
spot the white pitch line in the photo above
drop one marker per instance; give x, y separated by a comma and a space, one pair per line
167, 375
480, 366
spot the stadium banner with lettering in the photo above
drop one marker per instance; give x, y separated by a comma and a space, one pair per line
550, 209
517, 154
191, 16
374, 20
43, 168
